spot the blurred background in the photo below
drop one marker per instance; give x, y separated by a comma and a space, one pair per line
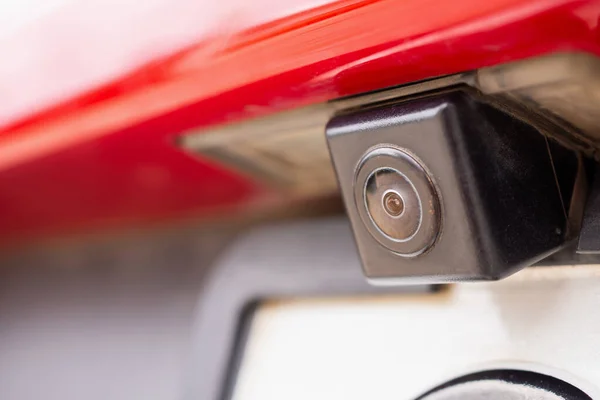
106, 318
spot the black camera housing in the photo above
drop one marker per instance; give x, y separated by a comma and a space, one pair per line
503, 188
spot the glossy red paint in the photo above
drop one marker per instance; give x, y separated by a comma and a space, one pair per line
106, 156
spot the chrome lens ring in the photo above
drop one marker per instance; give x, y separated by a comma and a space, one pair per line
397, 201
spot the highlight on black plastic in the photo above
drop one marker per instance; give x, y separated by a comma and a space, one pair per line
514, 384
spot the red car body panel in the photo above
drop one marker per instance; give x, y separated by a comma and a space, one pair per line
102, 153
